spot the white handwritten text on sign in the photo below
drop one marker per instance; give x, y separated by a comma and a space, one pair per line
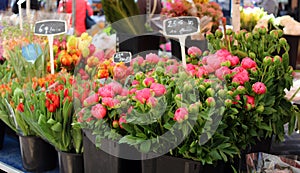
179, 26
50, 27
122, 57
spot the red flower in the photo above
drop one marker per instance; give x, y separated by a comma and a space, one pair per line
98, 111
20, 107
248, 63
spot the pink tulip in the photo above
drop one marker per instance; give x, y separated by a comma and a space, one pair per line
152, 102
92, 99
248, 63
222, 72
152, 58
194, 51
100, 55
106, 91
98, 111
181, 114
158, 89
143, 95
259, 88
148, 81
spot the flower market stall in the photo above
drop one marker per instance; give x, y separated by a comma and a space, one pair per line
118, 110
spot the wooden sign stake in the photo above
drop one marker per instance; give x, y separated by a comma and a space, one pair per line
50, 28
20, 13
181, 27
50, 41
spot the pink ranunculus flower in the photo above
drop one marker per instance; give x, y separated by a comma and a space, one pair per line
204, 60
159, 89
119, 73
152, 102
143, 95
181, 114
237, 98
152, 58
172, 69
259, 88
110, 102
92, 99
201, 72
234, 60
221, 72
148, 81
106, 91
248, 63
98, 111
116, 87
194, 51
190, 67
139, 60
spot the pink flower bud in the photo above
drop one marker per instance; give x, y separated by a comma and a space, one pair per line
250, 100
98, 111
138, 60
181, 114
152, 102
135, 83
259, 88
234, 60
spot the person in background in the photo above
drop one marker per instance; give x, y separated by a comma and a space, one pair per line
81, 7
34, 5
3, 5
270, 6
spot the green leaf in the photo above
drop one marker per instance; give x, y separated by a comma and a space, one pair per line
269, 110
145, 146
57, 127
223, 155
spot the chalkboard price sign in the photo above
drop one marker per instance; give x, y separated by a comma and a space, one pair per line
50, 27
181, 26
122, 57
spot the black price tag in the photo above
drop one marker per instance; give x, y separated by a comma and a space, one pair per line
122, 57
181, 26
50, 27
